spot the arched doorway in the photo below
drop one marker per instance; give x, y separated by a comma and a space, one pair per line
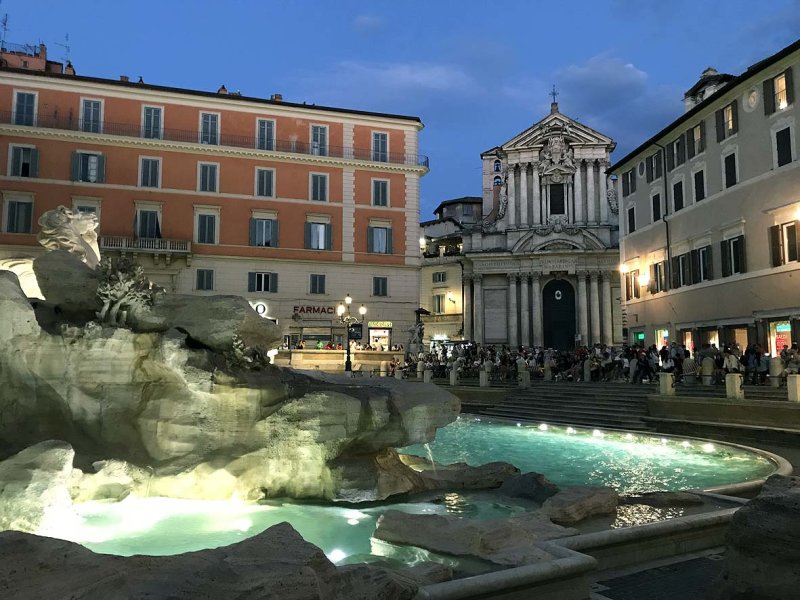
558, 315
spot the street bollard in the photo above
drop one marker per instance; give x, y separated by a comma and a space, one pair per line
775, 371
666, 384
733, 386
427, 375
384, 368
453, 376
707, 370
420, 369
793, 385
524, 379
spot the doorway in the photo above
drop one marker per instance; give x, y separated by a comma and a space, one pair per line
558, 314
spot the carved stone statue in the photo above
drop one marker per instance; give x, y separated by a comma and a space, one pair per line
613, 201
123, 287
417, 331
75, 232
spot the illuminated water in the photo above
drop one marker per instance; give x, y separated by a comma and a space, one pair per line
629, 463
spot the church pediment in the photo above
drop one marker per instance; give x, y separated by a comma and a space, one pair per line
556, 124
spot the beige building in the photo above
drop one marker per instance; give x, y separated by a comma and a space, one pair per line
541, 267
711, 213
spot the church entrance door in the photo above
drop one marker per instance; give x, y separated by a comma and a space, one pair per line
558, 315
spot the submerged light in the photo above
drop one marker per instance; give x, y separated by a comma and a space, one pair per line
686, 444
543, 427
570, 430
708, 447
336, 555
629, 437
597, 433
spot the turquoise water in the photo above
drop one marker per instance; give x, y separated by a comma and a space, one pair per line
629, 463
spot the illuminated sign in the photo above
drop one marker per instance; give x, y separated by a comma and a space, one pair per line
259, 307
313, 309
379, 324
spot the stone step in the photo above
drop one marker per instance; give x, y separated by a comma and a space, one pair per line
543, 412
639, 409
569, 419
576, 402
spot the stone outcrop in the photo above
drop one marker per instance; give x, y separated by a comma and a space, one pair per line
34, 488
68, 284
574, 504
531, 486
762, 560
274, 565
507, 542
18, 318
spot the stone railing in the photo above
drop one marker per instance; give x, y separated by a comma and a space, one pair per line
132, 244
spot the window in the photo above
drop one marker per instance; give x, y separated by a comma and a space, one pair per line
733, 256
24, 162
557, 203
265, 179
208, 177
25, 108
632, 289
653, 166
497, 182
696, 140
319, 140
265, 135
380, 192
677, 195
380, 146
206, 228
205, 279
727, 120
209, 128
264, 232
467, 210
784, 243
19, 215
684, 271
317, 284
701, 264
438, 303
699, 186
87, 206
147, 224
676, 153
379, 240
89, 167
656, 199
629, 182
631, 219
729, 166
783, 146
151, 122
380, 286
498, 166
91, 116
262, 282
318, 236
778, 92
658, 277
150, 172
439, 276
319, 187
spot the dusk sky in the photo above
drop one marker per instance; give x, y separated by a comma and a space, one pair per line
477, 73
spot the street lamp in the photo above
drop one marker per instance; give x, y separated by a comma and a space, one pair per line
343, 312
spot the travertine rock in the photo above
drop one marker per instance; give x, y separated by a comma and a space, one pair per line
34, 488
762, 560
274, 565
532, 486
68, 283
16, 314
508, 542
575, 504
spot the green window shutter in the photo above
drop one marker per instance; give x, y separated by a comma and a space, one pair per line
389, 240
769, 96
735, 114
653, 283
776, 245
34, 170
789, 85
328, 236
16, 162
690, 149
663, 275
694, 259
719, 117
708, 268
676, 272
726, 258
75, 167
370, 241
702, 137
742, 255
252, 232
681, 149
251, 282
671, 156
101, 168
273, 282
275, 230
308, 236
648, 162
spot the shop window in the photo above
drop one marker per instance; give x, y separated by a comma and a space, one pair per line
780, 335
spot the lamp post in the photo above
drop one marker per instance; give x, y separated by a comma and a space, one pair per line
343, 312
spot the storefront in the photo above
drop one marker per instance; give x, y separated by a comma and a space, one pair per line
780, 335
638, 338
314, 325
662, 338
380, 334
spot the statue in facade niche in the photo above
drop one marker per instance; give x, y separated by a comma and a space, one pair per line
75, 232
123, 287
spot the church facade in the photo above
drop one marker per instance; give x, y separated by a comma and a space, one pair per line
542, 267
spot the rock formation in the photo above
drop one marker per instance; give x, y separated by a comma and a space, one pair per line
575, 504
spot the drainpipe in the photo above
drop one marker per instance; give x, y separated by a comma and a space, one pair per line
666, 210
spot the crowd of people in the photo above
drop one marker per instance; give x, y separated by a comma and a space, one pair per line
634, 364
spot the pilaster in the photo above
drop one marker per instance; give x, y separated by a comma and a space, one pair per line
583, 315
536, 312
477, 305
595, 306
607, 318
525, 310
513, 340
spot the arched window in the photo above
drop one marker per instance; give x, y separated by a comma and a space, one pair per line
498, 181
498, 166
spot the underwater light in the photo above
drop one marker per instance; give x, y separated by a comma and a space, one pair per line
543, 427
597, 433
629, 437
664, 441
353, 521
519, 424
686, 444
336, 555
708, 447
570, 430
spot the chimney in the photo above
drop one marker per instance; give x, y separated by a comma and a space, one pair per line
123, 78
222, 90
276, 97
69, 69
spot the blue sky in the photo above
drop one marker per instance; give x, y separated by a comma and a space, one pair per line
476, 72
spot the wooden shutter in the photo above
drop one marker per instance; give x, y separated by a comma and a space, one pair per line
34, 169
308, 235
671, 156
633, 180
702, 137
628, 287
273, 282
694, 260
648, 163
719, 118
370, 242
626, 189
681, 142
769, 96
251, 282
101, 168
652, 287
16, 162
735, 115
796, 240
388, 240
275, 233
708, 268
253, 234
328, 236
742, 255
726, 257
663, 276
75, 166
676, 272
690, 149
789, 85
776, 245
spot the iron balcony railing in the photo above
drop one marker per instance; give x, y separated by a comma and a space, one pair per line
211, 138
131, 244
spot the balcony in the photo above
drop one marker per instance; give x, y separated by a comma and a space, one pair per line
122, 243
135, 130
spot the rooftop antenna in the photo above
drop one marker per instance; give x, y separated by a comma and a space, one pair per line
66, 47
4, 25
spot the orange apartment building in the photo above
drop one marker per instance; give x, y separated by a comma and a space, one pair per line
290, 205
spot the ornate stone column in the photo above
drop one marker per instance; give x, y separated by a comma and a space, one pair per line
595, 306
607, 318
591, 200
603, 165
523, 196
525, 310
583, 315
537, 196
477, 307
578, 187
467, 307
511, 208
513, 340
536, 311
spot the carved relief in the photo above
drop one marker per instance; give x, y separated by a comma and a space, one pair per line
557, 224
613, 201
